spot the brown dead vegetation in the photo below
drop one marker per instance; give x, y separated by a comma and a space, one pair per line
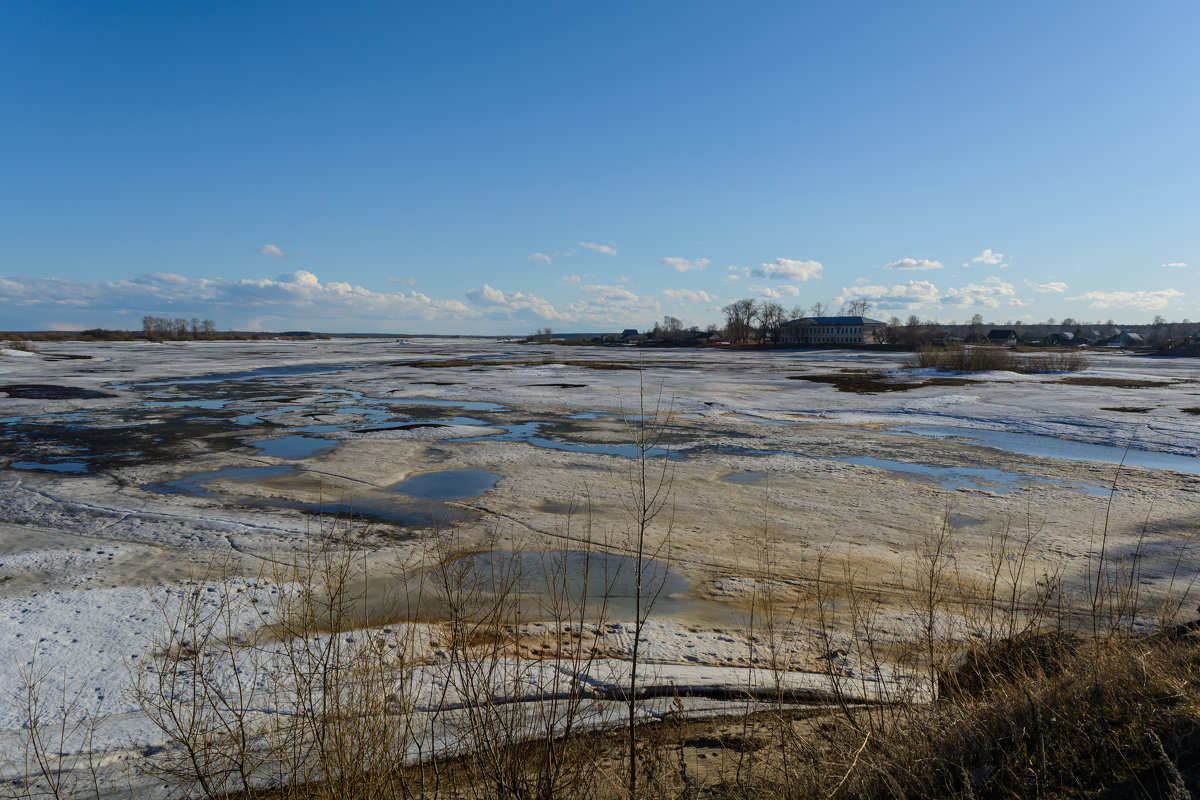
867, 382
1113, 383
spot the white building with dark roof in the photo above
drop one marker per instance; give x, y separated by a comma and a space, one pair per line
832, 330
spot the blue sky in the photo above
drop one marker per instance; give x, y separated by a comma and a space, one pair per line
463, 167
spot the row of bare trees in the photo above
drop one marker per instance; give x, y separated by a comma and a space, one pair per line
177, 328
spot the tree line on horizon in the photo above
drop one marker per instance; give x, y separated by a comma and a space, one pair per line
749, 321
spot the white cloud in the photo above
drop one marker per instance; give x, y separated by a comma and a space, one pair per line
913, 264
683, 265
403, 281
291, 296
774, 292
787, 269
611, 294
572, 280
986, 294
1176, 264
611, 305
736, 274
1052, 286
541, 258
914, 294
509, 302
989, 258
272, 251
606, 249
1143, 301
689, 295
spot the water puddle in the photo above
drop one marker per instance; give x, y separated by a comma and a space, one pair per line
1050, 447
591, 414
541, 581
72, 467
455, 484
256, 374
954, 478
424, 505
530, 433
193, 402
197, 485
295, 447
746, 478
466, 405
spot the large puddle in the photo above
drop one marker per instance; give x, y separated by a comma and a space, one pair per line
417, 501
455, 484
571, 584
296, 447
1050, 447
531, 433
954, 478
200, 484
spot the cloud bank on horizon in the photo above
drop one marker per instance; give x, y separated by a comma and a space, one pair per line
301, 300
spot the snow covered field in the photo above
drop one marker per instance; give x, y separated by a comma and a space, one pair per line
129, 466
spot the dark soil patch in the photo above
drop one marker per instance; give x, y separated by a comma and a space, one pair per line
561, 385
1128, 409
447, 364
873, 382
597, 364
45, 391
726, 741
1195, 410
65, 356
408, 427
1114, 383
861, 384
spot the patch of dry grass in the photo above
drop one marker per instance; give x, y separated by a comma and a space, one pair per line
973, 358
867, 382
1113, 383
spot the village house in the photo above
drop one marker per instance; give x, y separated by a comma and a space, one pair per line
1006, 337
831, 330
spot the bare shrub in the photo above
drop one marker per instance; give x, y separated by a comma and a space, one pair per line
56, 740
986, 358
960, 358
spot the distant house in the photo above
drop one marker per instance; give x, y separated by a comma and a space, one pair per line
1063, 339
1005, 337
831, 330
1124, 339
630, 335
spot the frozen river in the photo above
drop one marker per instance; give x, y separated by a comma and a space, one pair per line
129, 466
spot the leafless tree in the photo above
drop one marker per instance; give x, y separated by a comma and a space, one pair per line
771, 317
740, 316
